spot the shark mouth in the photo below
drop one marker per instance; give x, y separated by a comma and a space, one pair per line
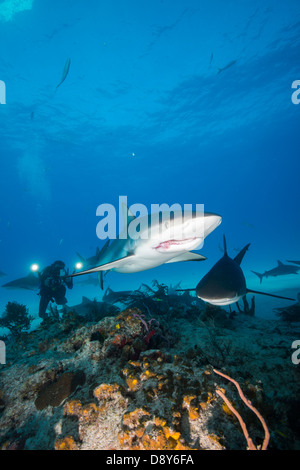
173, 244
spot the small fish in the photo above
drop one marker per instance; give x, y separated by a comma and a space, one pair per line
65, 72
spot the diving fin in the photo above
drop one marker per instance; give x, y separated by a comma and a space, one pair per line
250, 291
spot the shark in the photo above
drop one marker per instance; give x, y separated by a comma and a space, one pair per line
230, 64
280, 270
169, 240
112, 297
225, 283
88, 308
29, 282
65, 72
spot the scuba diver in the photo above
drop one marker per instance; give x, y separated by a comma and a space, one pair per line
53, 286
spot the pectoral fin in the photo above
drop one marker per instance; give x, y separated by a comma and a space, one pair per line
105, 267
100, 279
250, 291
189, 256
185, 290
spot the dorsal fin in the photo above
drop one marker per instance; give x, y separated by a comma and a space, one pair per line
85, 300
239, 257
279, 263
225, 245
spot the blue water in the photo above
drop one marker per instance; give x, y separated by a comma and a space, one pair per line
145, 112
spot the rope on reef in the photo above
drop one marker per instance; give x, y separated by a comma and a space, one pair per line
251, 446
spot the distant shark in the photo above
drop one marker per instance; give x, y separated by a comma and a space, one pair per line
169, 242
230, 64
280, 270
2, 274
225, 283
89, 307
65, 72
112, 297
30, 282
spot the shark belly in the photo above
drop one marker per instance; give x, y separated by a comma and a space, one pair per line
224, 301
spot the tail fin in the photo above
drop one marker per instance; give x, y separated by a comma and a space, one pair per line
239, 257
259, 275
250, 291
82, 259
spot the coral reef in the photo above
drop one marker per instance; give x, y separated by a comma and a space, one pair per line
16, 318
290, 313
144, 379
54, 393
247, 310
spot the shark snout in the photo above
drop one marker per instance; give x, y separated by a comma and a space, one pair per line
211, 222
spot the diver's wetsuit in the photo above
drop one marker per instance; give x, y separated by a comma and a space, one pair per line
53, 287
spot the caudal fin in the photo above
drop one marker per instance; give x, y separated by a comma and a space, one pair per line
259, 275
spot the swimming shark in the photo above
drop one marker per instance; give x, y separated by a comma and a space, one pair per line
225, 283
65, 72
112, 297
169, 240
280, 270
88, 308
30, 282
230, 64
